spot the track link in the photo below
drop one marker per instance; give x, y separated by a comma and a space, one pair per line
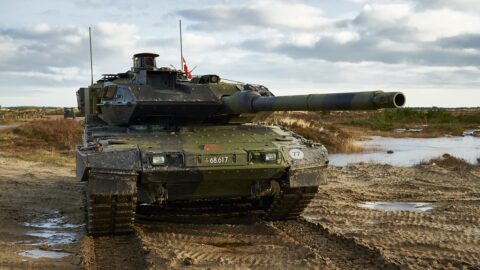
289, 203
111, 201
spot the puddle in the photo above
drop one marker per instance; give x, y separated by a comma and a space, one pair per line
398, 206
37, 253
410, 151
52, 231
53, 237
52, 223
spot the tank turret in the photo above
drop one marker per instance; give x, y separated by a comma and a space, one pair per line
147, 94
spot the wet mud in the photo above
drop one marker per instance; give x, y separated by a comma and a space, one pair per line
443, 237
42, 226
41, 216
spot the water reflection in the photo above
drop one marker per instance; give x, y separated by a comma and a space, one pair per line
37, 253
410, 151
398, 206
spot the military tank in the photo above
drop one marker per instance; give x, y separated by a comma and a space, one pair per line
154, 137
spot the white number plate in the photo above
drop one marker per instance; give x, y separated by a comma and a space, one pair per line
217, 159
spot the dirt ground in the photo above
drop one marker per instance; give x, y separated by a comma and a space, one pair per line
42, 211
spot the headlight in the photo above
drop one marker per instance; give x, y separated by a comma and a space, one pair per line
158, 160
270, 157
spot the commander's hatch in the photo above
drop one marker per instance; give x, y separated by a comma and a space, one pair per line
147, 73
158, 79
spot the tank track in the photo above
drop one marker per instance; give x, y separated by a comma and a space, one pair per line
111, 201
289, 203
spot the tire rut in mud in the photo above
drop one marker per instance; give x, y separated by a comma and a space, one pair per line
444, 237
339, 252
280, 244
113, 252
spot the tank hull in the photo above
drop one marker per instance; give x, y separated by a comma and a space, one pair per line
227, 162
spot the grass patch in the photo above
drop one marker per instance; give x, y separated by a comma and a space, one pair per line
50, 141
434, 120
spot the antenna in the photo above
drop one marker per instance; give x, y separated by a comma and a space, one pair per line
91, 59
181, 48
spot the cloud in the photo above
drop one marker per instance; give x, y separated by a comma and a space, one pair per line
301, 45
34, 48
467, 41
120, 37
370, 50
43, 55
431, 25
256, 14
465, 5
381, 32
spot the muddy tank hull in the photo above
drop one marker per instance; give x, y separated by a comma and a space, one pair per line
248, 163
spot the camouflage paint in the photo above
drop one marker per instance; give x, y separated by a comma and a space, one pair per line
194, 176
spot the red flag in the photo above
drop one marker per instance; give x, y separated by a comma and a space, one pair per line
185, 69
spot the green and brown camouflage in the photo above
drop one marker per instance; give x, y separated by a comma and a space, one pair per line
154, 137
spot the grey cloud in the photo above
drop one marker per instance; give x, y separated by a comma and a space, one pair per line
372, 34
367, 50
468, 5
369, 27
46, 58
211, 19
30, 33
469, 41
38, 50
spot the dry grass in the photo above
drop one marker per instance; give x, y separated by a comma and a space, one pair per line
313, 128
50, 141
451, 163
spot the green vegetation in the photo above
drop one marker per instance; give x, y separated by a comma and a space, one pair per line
433, 119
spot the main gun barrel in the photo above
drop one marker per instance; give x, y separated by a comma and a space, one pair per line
251, 101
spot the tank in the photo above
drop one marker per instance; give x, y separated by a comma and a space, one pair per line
154, 137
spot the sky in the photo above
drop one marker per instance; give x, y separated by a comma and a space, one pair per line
428, 49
